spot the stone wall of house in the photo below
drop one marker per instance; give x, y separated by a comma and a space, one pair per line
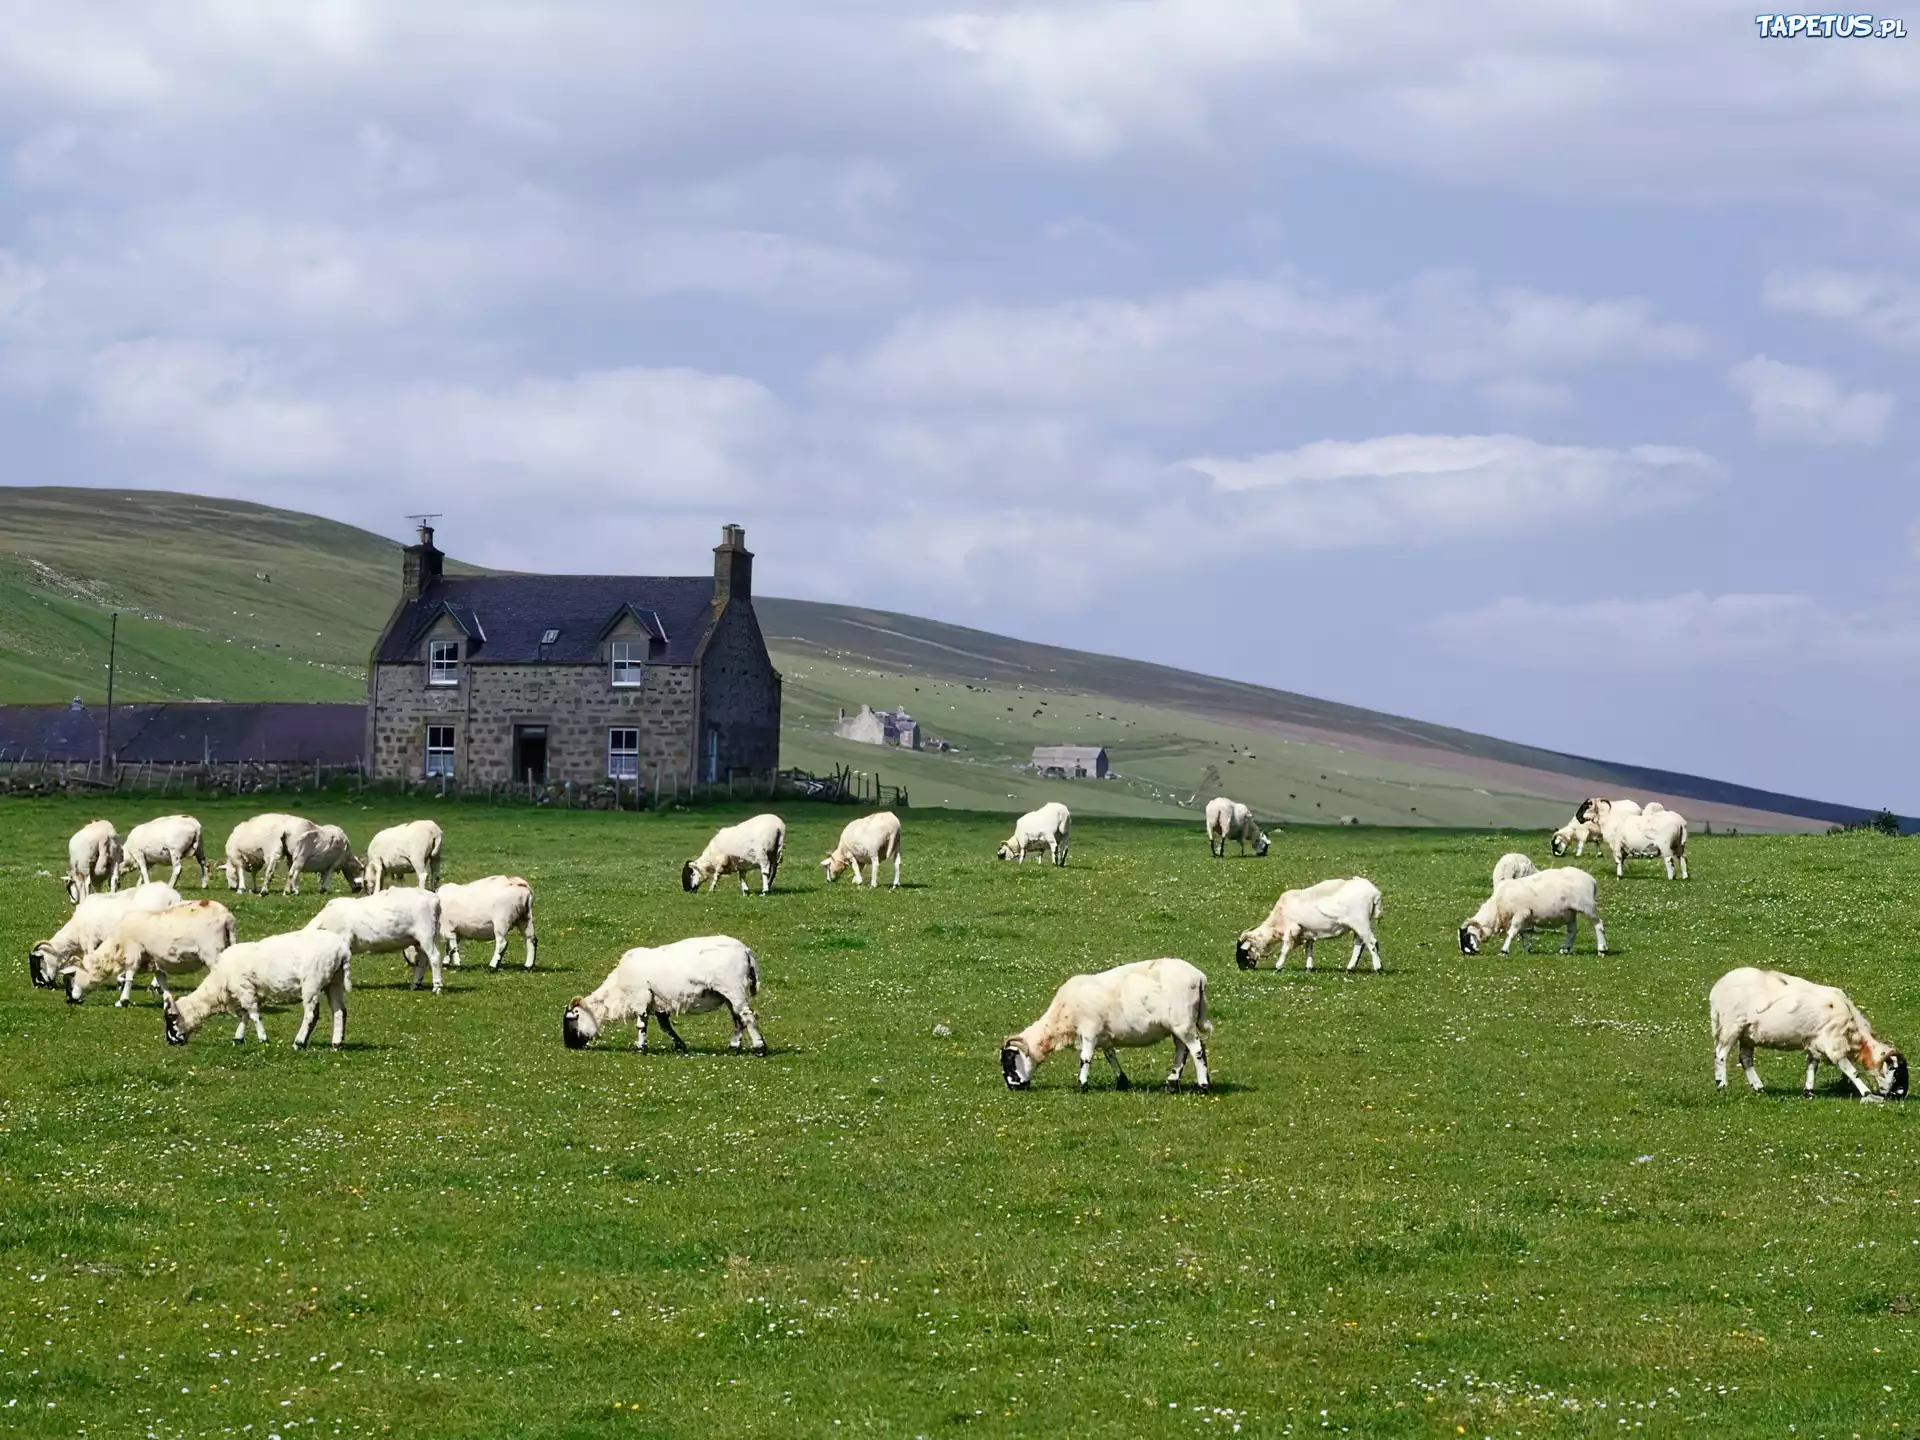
740, 695
576, 704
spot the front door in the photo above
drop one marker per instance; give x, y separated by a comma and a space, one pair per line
530, 754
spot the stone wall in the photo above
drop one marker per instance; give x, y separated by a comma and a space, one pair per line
740, 694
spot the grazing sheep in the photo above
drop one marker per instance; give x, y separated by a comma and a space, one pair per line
1516, 907
872, 838
1660, 832
684, 978
1050, 826
1318, 912
1132, 1005
755, 844
394, 920
172, 838
1513, 866
307, 963
394, 851
1575, 833
261, 843
487, 910
93, 853
1230, 820
323, 850
93, 922
1752, 1007
188, 936
1588, 809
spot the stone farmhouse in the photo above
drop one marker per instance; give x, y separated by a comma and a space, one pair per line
584, 678
1071, 762
879, 727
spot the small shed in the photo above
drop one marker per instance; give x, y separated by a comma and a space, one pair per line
1071, 762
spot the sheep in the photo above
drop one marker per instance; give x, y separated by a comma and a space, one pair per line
1750, 1007
1230, 820
1513, 866
1661, 832
188, 936
93, 921
325, 849
1132, 1005
261, 843
487, 909
1575, 833
93, 852
394, 851
755, 844
684, 978
1586, 809
1318, 912
306, 963
173, 838
1050, 826
394, 920
873, 838
1517, 906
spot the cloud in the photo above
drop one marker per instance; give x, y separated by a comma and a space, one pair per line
1186, 351
1883, 308
1792, 402
1673, 633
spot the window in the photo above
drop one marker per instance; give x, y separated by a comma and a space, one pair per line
440, 750
547, 637
623, 754
713, 754
629, 666
443, 662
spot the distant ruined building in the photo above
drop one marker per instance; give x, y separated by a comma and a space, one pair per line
1071, 762
879, 727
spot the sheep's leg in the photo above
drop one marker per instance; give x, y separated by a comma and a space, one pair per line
672, 1034
1599, 935
744, 1018
417, 965
1513, 930
1721, 1050
1573, 931
1120, 1081
1086, 1058
1683, 864
873, 865
1373, 949
499, 949
1286, 944
1846, 1069
896, 869
337, 1000
309, 1017
1309, 950
433, 958
1198, 1049
1746, 1064
1179, 1063
640, 1035
141, 861
1668, 859
126, 985
240, 1030
528, 932
1813, 1066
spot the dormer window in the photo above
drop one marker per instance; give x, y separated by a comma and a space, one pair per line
443, 662
547, 637
629, 663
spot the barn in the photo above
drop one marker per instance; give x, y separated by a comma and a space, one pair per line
1071, 762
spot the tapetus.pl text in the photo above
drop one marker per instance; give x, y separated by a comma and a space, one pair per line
1830, 27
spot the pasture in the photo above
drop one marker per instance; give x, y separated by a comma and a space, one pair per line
1483, 1196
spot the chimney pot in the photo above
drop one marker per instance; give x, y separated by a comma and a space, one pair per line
732, 566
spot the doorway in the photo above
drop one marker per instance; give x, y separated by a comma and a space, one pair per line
530, 754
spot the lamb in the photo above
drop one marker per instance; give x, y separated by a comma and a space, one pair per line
1752, 1007
1230, 820
755, 844
394, 851
323, 849
1513, 866
1661, 832
873, 838
1050, 826
1517, 906
1133, 1005
172, 838
684, 978
1575, 833
307, 963
394, 920
188, 936
93, 853
261, 843
1318, 912
487, 909
93, 922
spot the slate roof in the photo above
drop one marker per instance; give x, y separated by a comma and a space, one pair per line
186, 733
512, 612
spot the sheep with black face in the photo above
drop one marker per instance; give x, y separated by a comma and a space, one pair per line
94, 853
303, 963
1230, 820
1777, 1011
1518, 906
92, 923
1319, 912
1132, 1005
871, 838
1050, 826
755, 844
685, 978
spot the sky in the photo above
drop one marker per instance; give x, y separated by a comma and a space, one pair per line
1545, 370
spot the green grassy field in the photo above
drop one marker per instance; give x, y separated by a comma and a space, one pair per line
1464, 1196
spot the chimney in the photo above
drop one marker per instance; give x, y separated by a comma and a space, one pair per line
420, 565
732, 567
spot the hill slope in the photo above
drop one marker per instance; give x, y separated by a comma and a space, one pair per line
228, 600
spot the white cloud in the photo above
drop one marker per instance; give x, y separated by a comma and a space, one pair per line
1883, 308
1673, 633
1792, 402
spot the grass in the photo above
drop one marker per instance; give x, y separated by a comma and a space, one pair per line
1487, 1196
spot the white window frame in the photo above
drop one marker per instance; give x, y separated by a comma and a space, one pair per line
617, 753
624, 671
443, 662
441, 753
